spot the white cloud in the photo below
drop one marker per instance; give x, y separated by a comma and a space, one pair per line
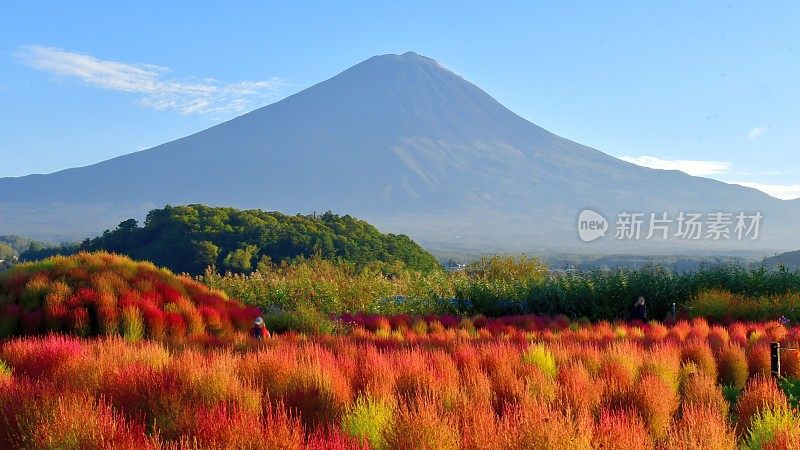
692, 167
757, 132
781, 191
187, 97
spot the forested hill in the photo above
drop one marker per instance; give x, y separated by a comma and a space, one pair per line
191, 238
11, 246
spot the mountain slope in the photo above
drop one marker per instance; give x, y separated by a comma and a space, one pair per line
790, 260
396, 139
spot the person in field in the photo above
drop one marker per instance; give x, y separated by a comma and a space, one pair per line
259, 330
640, 310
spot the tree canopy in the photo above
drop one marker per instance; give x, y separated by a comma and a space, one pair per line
191, 238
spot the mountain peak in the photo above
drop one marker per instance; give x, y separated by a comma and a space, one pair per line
416, 56
397, 139
406, 58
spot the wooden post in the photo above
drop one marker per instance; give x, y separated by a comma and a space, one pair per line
775, 359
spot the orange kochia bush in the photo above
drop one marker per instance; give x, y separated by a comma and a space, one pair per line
565, 388
102, 294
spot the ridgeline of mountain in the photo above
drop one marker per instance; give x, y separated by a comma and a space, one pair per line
790, 260
402, 142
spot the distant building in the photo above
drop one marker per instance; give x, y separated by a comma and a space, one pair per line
454, 266
567, 269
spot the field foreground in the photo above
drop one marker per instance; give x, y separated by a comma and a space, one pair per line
560, 385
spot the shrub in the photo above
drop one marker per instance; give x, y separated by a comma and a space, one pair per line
770, 426
656, 402
132, 326
539, 356
760, 394
664, 361
718, 338
701, 392
319, 393
790, 363
758, 361
700, 355
620, 364
5, 373
732, 363
539, 425
621, 430
369, 419
577, 390
422, 424
304, 319
381, 390
700, 428
96, 294
80, 423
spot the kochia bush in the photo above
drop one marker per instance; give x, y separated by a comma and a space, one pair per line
101, 294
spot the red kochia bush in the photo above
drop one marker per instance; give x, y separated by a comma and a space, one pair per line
701, 355
35, 359
656, 402
790, 363
701, 391
621, 430
85, 295
699, 428
758, 360
732, 366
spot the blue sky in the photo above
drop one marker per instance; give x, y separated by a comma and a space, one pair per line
712, 88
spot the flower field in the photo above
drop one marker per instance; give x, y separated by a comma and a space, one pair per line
398, 382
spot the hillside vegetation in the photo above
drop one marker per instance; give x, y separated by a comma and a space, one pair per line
101, 294
504, 285
190, 238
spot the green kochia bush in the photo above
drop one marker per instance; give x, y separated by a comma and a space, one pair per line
539, 356
369, 419
769, 423
303, 319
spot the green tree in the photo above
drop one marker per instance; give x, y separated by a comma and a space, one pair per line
241, 260
6, 252
207, 253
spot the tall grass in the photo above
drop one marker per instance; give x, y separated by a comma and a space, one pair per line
496, 286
